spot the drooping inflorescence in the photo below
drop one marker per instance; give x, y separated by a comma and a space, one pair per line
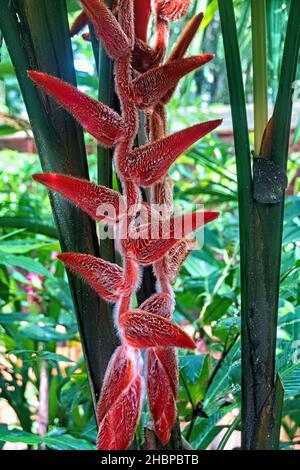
142, 82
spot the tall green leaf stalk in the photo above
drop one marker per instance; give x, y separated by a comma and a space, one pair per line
261, 186
37, 37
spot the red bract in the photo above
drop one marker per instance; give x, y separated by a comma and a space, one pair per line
145, 57
160, 304
98, 119
186, 38
151, 86
142, 13
120, 401
174, 259
182, 46
98, 201
146, 330
171, 9
147, 164
162, 384
80, 22
106, 278
126, 20
107, 28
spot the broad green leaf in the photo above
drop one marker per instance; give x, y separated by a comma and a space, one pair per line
26, 245
216, 309
194, 374
26, 263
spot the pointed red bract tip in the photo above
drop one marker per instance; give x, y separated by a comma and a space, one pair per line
106, 278
98, 119
107, 28
151, 86
142, 13
147, 164
99, 202
186, 38
80, 22
171, 10
185, 224
120, 402
146, 330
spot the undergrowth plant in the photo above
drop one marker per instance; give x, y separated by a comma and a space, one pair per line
146, 231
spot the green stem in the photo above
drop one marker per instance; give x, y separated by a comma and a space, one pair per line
37, 37
260, 79
261, 241
106, 95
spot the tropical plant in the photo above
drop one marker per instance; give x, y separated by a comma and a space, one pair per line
37, 318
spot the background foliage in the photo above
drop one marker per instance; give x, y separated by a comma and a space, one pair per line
38, 331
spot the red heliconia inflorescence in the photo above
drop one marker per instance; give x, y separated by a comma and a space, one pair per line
142, 81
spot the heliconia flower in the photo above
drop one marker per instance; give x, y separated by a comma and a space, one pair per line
171, 9
142, 13
151, 86
147, 164
146, 330
80, 22
99, 202
120, 402
145, 232
36, 284
160, 304
162, 385
107, 28
98, 119
106, 278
